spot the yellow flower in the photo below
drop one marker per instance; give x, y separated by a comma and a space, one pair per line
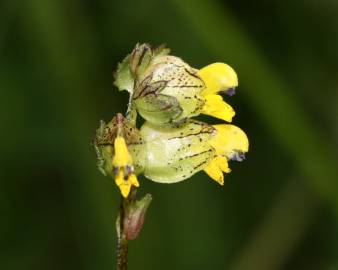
119, 149
176, 153
218, 77
124, 169
230, 143
166, 90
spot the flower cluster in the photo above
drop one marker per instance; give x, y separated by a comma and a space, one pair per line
170, 146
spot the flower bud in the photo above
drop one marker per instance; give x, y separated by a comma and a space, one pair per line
135, 216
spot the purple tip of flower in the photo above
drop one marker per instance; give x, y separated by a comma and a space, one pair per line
230, 91
238, 156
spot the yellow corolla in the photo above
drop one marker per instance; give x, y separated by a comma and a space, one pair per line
218, 77
123, 164
230, 143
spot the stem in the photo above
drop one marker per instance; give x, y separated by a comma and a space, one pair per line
122, 242
131, 113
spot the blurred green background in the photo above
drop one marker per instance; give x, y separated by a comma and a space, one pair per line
277, 210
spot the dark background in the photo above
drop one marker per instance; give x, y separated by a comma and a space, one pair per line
277, 210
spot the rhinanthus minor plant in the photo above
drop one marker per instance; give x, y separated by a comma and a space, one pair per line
171, 145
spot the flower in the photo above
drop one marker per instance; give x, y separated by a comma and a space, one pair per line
166, 154
170, 91
170, 146
124, 170
165, 90
118, 147
176, 153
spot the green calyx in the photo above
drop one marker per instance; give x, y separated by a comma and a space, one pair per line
134, 64
104, 144
176, 153
163, 88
